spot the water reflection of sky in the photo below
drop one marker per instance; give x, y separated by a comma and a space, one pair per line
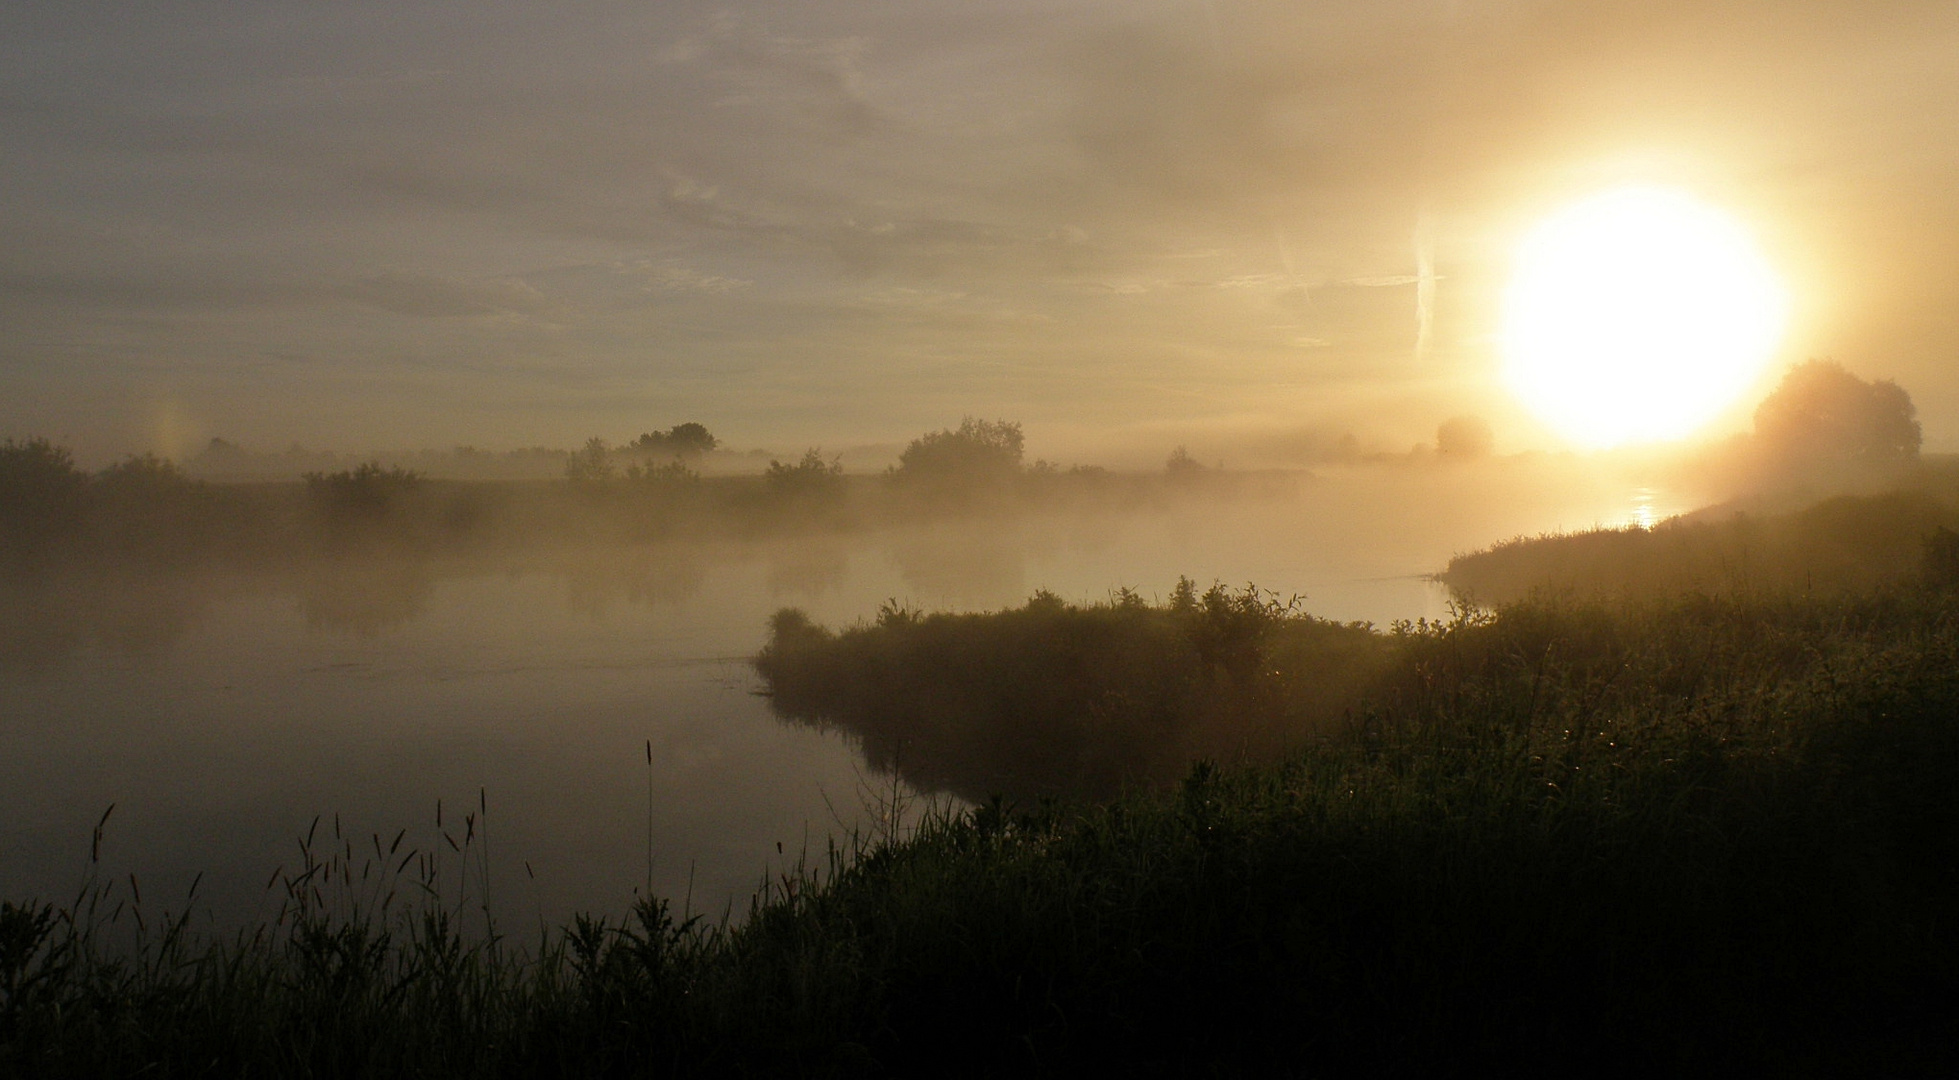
221, 711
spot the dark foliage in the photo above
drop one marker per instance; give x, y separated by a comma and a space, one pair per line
680, 440
41, 494
1054, 699
145, 509
1942, 558
366, 490
1821, 415
978, 452
673, 476
1698, 837
811, 479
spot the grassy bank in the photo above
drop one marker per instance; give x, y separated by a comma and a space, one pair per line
1690, 835
1844, 545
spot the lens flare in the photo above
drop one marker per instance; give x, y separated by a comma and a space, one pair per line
1638, 315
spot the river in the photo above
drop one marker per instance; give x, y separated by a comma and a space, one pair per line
591, 713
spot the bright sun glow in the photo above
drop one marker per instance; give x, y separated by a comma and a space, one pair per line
1637, 315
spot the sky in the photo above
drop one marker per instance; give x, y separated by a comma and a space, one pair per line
375, 225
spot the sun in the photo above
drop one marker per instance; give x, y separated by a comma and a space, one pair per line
1638, 315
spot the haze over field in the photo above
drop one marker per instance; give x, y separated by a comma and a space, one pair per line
1249, 227
875, 538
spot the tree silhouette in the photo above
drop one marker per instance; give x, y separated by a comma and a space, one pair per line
41, 493
681, 440
1823, 415
1180, 463
592, 464
977, 450
1464, 437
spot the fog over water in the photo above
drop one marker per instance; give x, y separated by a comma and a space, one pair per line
221, 709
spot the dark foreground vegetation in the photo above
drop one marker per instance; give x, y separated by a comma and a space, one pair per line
1686, 835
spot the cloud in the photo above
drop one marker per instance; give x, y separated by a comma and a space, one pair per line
819, 77
1010, 204
1380, 281
424, 297
670, 278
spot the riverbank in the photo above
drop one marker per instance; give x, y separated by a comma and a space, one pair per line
1683, 836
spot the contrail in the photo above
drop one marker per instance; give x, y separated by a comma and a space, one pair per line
1424, 281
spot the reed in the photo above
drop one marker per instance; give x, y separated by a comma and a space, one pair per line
1692, 835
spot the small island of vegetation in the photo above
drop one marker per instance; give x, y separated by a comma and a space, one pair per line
1678, 834
1673, 800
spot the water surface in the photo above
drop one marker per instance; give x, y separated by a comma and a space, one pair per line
221, 711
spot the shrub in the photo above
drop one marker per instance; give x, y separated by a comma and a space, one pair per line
811, 478
365, 491
976, 451
41, 494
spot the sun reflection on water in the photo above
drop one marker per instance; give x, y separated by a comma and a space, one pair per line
1649, 508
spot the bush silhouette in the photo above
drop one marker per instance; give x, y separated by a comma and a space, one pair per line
812, 477
976, 451
366, 490
41, 493
673, 474
146, 504
1054, 699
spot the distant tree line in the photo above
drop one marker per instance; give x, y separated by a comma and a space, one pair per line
47, 502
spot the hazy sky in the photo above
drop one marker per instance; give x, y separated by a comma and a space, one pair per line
362, 225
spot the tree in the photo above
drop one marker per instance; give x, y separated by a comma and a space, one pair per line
1824, 415
1181, 463
1464, 437
977, 450
681, 440
592, 464
41, 492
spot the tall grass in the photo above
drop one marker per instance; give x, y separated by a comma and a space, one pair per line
1696, 835
1062, 700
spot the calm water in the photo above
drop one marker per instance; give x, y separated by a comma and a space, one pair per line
222, 712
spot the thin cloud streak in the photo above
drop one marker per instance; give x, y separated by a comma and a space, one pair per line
1046, 199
